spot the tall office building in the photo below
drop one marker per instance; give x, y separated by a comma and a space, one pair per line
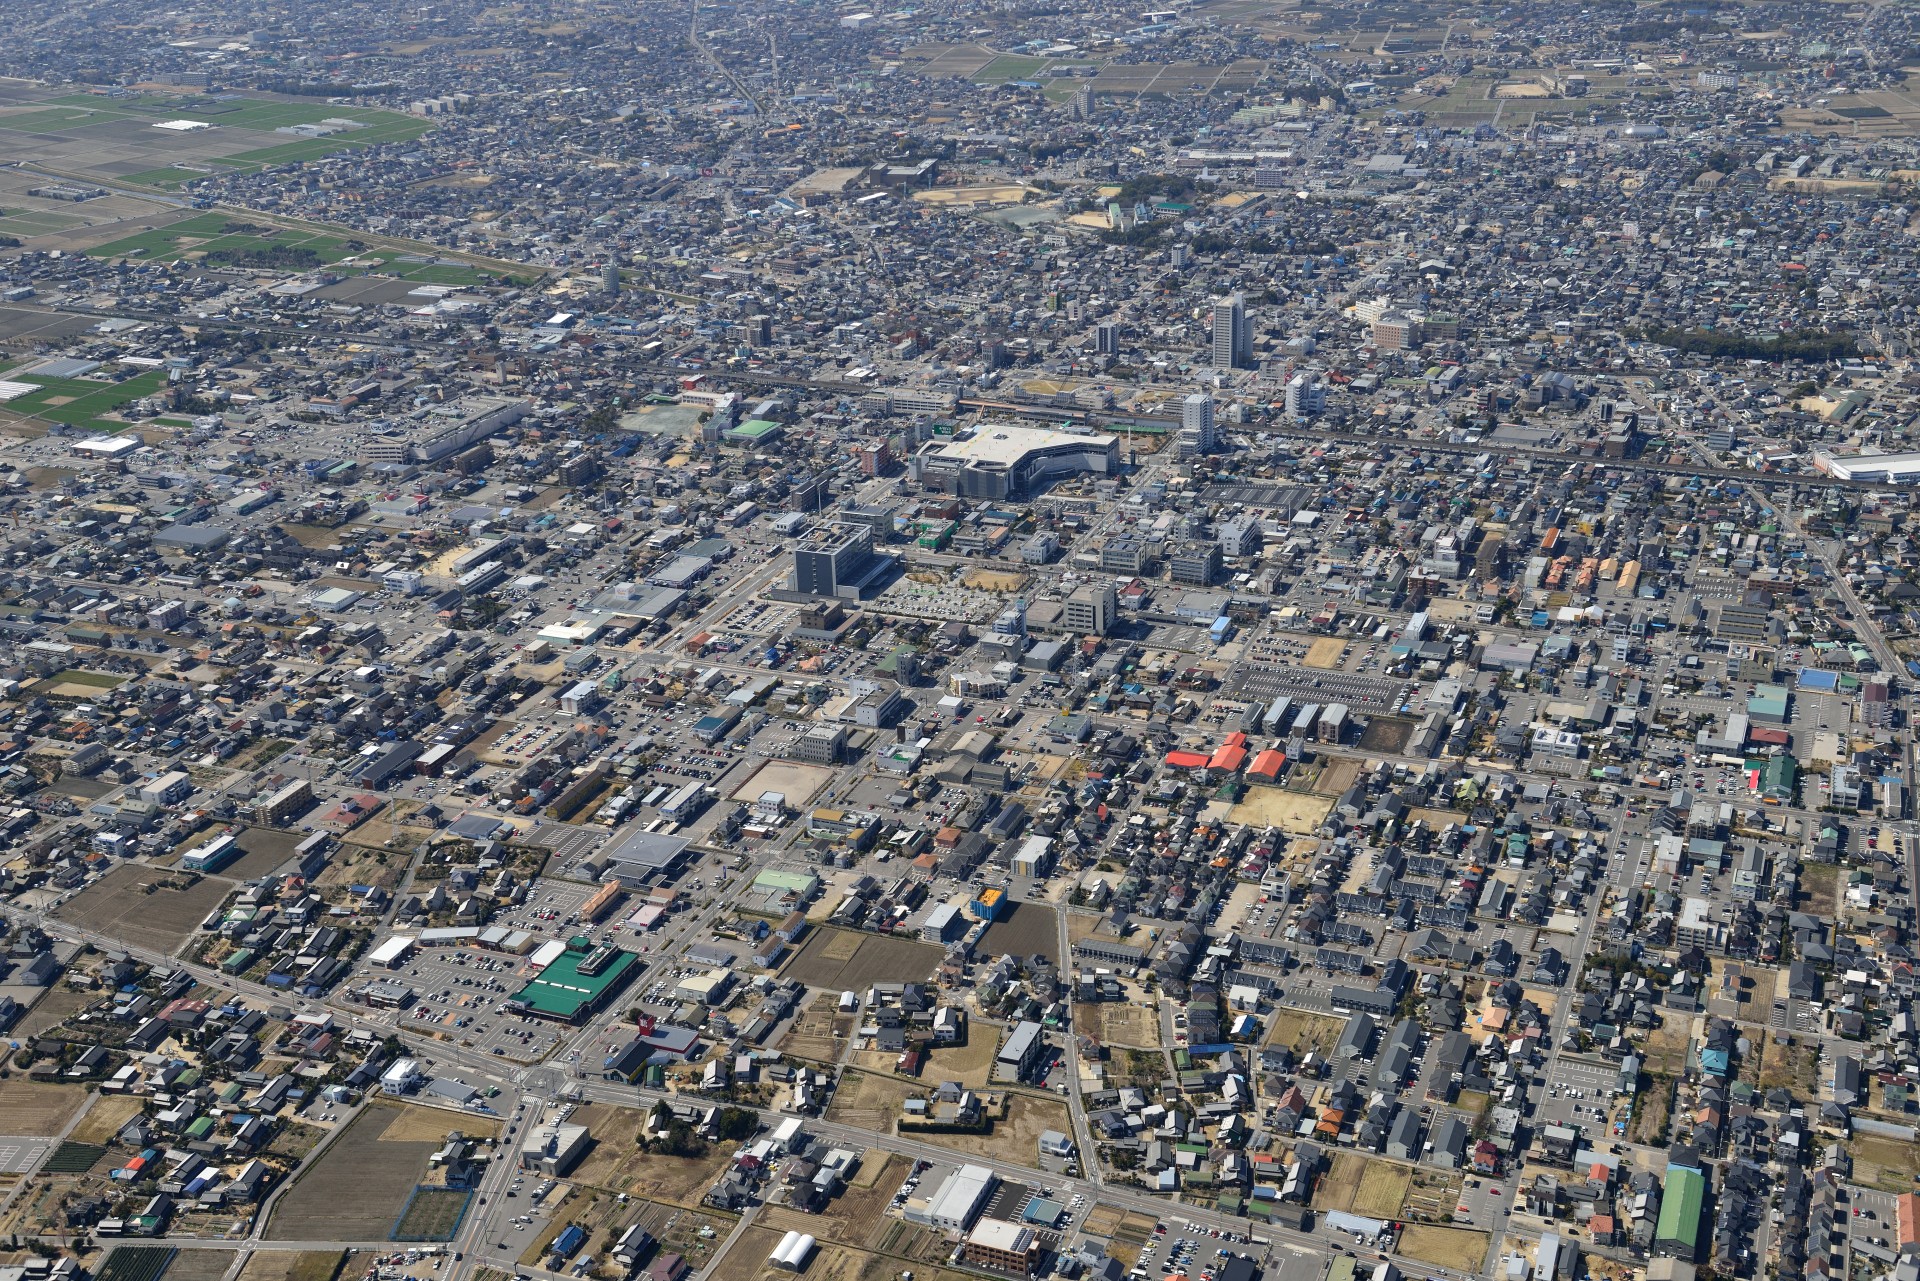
1306, 396
838, 562
1232, 334
1106, 338
1196, 425
1090, 610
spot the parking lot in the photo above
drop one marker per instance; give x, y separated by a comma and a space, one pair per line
460, 992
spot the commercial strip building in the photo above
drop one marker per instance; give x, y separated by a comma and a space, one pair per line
578, 983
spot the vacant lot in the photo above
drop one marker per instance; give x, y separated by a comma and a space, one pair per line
617, 1166
852, 1218
266, 848
121, 906
1819, 888
1324, 653
1886, 1164
1296, 813
1337, 777
1300, 1031
1012, 1140
845, 960
1119, 1023
106, 1118
797, 782
969, 1064
996, 580
292, 1265
1793, 1066
1029, 929
1454, 1248
33, 1110
870, 1101
355, 1190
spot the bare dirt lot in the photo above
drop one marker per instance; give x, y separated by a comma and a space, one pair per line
355, 1190
617, 1166
1454, 1248
119, 906
292, 1265
1324, 653
1337, 777
1295, 813
1300, 1031
33, 1110
1029, 928
845, 960
797, 782
1119, 1023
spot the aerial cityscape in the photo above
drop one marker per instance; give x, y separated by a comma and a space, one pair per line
732, 641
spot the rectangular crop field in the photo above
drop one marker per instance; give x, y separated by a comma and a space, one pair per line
32, 1109
73, 1158
842, 960
120, 906
135, 1263
353, 1191
293, 1265
432, 1214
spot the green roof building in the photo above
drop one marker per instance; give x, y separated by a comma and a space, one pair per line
1677, 1235
1779, 779
754, 431
579, 982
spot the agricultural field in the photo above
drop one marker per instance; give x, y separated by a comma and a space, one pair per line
842, 960
432, 1214
352, 1193
135, 1263
238, 240
106, 1118
80, 402
292, 1265
1028, 929
73, 1158
113, 138
819, 1033
32, 1109
1376, 1189
121, 905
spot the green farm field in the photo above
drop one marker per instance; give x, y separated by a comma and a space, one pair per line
83, 402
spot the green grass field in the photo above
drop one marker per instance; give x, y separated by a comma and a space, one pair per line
1008, 67
84, 401
253, 116
206, 234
